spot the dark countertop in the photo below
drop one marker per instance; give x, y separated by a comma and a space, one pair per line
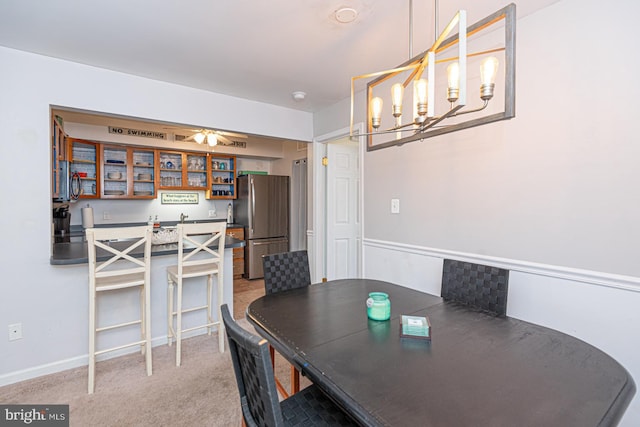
78, 230
70, 253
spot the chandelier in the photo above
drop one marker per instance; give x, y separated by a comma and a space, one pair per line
436, 83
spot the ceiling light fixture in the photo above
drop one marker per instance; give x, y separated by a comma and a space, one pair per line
210, 136
437, 98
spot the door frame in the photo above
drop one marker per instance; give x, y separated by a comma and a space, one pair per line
317, 236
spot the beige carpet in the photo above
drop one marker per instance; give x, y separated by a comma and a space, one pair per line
201, 392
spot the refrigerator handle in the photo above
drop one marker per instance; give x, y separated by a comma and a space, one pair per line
253, 204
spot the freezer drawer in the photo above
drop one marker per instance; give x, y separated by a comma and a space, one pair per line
256, 249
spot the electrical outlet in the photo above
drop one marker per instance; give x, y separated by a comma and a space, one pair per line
15, 331
106, 215
212, 213
395, 206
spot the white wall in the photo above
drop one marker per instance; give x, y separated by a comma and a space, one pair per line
551, 194
50, 303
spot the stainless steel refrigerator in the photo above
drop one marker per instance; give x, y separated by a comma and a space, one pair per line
262, 207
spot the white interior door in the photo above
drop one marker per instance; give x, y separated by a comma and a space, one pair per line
342, 210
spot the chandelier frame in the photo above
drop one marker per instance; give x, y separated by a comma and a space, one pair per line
436, 126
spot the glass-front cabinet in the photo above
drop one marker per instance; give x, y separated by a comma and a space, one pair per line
127, 172
143, 162
182, 171
222, 183
84, 169
59, 151
196, 171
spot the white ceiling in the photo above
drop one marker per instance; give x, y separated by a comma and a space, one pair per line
259, 50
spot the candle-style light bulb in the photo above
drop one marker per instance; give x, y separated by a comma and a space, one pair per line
376, 112
420, 89
488, 71
453, 76
199, 137
397, 90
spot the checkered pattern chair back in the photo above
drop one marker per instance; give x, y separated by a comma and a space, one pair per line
478, 286
286, 270
254, 374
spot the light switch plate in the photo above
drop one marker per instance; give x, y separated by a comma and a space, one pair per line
395, 206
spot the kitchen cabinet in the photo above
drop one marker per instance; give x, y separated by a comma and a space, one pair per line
182, 171
84, 168
222, 178
58, 159
238, 253
128, 172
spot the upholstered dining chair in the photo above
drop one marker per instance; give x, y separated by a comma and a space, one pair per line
119, 270
282, 272
204, 259
481, 287
256, 385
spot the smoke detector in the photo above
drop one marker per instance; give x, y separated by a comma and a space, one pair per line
299, 95
345, 15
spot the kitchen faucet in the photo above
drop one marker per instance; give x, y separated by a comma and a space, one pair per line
183, 217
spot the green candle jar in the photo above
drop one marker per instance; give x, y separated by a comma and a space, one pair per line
378, 306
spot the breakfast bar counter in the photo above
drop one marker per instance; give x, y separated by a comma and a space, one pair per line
76, 252
71, 259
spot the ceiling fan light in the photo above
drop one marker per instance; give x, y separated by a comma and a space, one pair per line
212, 139
199, 137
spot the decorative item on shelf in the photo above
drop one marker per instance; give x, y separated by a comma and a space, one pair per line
114, 175
433, 116
378, 306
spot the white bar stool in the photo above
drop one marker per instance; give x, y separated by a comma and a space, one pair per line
200, 254
120, 270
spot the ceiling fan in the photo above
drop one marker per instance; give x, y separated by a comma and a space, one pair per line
211, 137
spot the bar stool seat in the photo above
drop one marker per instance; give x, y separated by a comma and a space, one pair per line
200, 254
119, 270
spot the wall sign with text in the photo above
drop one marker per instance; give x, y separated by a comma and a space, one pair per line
179, 198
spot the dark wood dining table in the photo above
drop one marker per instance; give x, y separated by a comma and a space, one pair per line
477, 370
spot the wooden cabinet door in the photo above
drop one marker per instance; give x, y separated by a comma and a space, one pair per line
222, 177
238, 253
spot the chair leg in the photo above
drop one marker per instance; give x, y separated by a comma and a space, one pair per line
220, 323
170, 333
295, 380
143, 320
272, 353
92, 341
179, 323
209, 304
147, 327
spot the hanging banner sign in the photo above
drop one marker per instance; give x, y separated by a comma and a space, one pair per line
179, 198
237, 144
137, 132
